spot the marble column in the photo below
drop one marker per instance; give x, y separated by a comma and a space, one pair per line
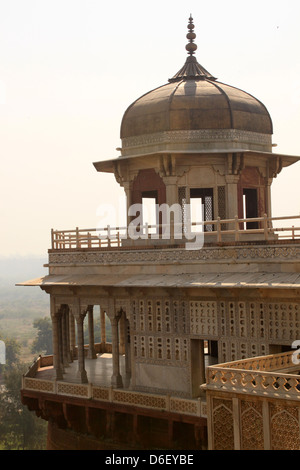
116, 378
269, 200
202, 362
64, 331
60, 340
102, 327
128, 191
79, 314
197, 366
232, 196
175, 228
55, 340
127, 353
72, 333
231, 199
122, 333
69, 355
91, 351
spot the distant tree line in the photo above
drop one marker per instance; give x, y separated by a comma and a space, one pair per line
43, 341
20, 429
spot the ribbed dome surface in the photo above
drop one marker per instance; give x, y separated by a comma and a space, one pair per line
194, 104
194, 112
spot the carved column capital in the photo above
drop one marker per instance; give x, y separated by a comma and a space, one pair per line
111, 309
55, 308
232, 179
78, 309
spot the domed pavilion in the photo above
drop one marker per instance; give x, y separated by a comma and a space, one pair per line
171, 312
197, 138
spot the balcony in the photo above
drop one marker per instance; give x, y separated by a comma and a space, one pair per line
274, 375
40, 379
219, 231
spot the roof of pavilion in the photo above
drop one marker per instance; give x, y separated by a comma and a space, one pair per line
199, 280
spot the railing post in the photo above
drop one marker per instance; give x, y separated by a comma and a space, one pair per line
236, 229
219, 235
172, 228
266, 228
90, 390
108, 236
146, 231
68, 239
52, 239
77, 238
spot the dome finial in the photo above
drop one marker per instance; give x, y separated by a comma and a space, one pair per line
191, 70
191, 47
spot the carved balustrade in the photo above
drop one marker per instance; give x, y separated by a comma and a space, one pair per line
112, 237
30, 382
267, 375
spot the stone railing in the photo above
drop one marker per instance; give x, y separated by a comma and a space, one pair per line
192, 407
214, 230
275, 375
263, 363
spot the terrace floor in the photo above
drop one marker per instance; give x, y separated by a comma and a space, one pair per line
99, 370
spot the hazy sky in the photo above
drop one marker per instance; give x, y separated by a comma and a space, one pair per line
70, 68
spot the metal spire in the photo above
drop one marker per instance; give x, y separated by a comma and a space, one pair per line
191, 70
191, 47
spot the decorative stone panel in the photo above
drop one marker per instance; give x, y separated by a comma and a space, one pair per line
284, 427
239, 253
284, 321
222, 418
252, 437
204, 318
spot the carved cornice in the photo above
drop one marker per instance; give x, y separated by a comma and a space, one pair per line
275, 253
199, 136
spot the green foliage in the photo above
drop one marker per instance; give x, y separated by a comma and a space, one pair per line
12, 349
19, 308
97, 330
19, 428
43, 341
